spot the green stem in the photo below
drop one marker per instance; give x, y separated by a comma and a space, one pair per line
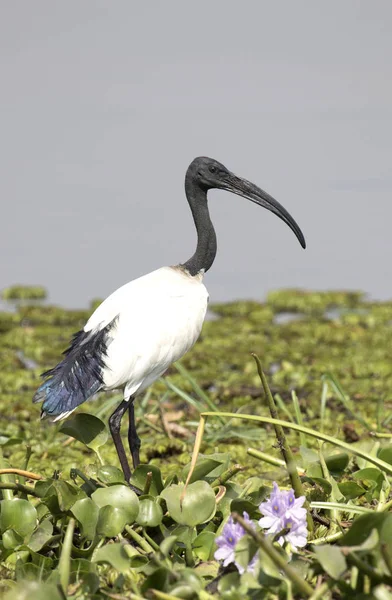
65, 558
335, 515
348, 508
272, 460
381, 464
144, 545
264, 543
190, 561
222, 479
327, 539
283, 445
7, 493
321, 592
18, 487
366, 569
298, 416
149, 539
99, 457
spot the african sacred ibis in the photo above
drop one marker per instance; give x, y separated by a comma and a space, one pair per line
144, 326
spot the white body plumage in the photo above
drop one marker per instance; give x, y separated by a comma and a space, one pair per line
158, 319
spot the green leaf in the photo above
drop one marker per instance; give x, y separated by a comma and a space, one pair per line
110, 475
6, 441
86, 512
137, 560
114, 555
167, 544
212, 465
386, 454
33, 590
204, 545
331, 559
150, 513
139, 477
41, 536
11, 539
240, 506
362, 527
111, 521
336, 463
60, 496
351, 490
118, 496
19, 515
198, 505
87, 429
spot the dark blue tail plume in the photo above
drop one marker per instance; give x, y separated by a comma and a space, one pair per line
78, 376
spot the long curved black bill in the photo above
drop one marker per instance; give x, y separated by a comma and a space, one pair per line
248, 190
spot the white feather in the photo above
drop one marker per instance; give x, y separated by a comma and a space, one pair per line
158, 319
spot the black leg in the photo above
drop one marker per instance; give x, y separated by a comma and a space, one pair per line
133, 438
115, 430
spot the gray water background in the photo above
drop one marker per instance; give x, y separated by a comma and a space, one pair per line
104, 104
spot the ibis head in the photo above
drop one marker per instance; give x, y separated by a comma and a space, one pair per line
207, 173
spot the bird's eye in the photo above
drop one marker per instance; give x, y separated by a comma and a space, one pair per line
212, 168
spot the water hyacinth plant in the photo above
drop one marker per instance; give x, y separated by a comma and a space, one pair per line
231, 534
283, 512
70, 527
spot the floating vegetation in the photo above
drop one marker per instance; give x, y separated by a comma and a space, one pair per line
71, 527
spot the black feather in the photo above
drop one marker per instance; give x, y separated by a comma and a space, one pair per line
78, 376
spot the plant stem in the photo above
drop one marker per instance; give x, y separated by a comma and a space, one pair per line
144, 545
327, 539
221, 480
22, 473
283, 445
303, 586
7, 494
65, 557
18, 487
190, 561
272, 460
366, 569
147, 485
381, 464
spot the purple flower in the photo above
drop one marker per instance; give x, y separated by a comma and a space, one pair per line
284, 511
232, 532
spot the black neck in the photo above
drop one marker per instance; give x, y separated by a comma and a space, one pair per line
206, 238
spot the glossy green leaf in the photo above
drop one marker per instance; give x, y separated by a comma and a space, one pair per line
19, 515
167, 544
150, 513
351, 489
60, 496
111, 521
11, 539
331, 559
204, 545
337, 463
41, 536
87, 429
86, 512
139, 477
118, 496
110, 475
198, 504
114, 555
